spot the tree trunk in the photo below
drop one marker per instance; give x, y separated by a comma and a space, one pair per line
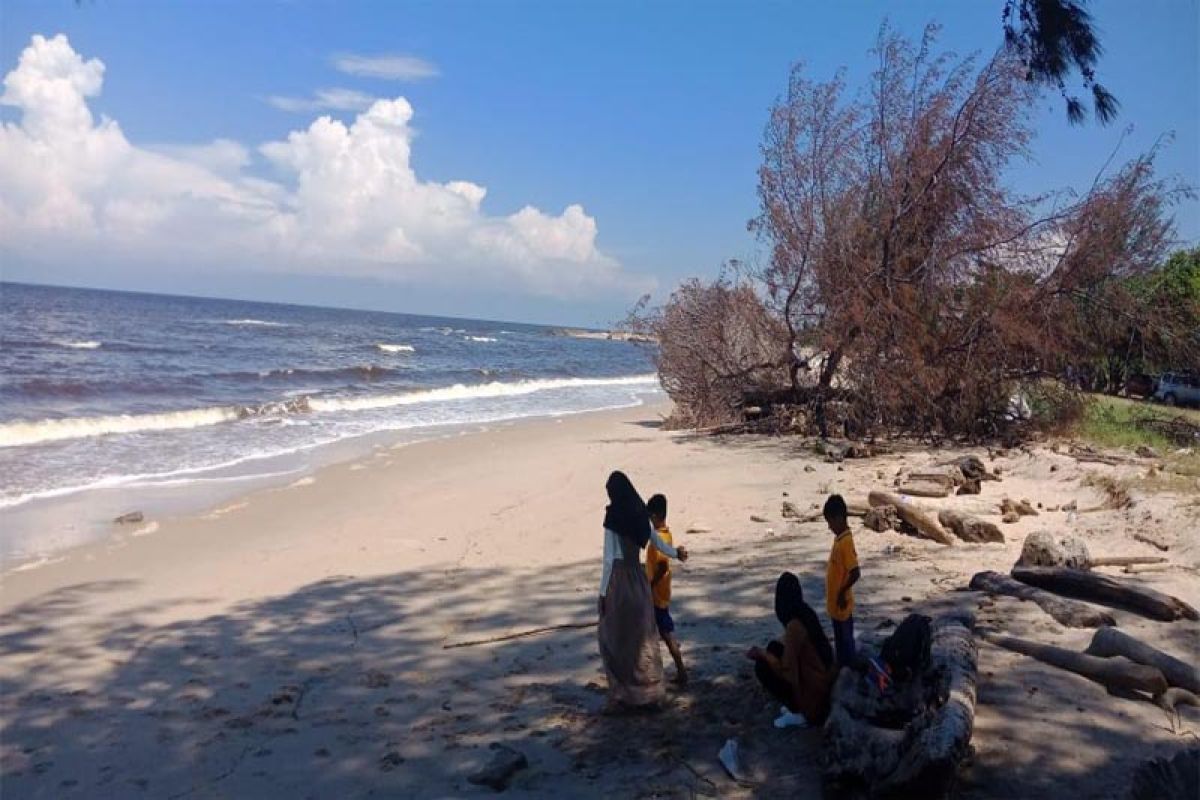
922, 759
1107, 591
925, 523
1117, 673
969, 528
1112, 642
1071, 613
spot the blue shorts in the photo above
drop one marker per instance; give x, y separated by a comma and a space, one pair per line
662, 618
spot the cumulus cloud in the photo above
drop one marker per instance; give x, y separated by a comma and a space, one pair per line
395, 67
341, 198
324, 100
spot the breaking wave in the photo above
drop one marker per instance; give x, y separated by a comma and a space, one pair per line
88, 345
16, 434
250, 323
395, 348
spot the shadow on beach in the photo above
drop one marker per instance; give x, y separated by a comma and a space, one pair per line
344, 689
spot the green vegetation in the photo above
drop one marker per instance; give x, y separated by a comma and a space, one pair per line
1116, 422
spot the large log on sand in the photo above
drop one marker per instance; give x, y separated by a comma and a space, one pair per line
923, 521
1107, 591
969, 528
1071, 613
919, 757
1119, 674
1108, 642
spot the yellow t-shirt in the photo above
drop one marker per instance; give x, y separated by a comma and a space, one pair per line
842, 559
662, 589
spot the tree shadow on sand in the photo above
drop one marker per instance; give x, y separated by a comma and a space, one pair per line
343, 688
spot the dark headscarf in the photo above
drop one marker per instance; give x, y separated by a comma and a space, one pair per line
790, 605
626, 514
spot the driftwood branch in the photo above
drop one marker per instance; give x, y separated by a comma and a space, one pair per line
1107, 591
1151, 540
522, 634
1071, 613
1108, 642
1124, 561
1119, 674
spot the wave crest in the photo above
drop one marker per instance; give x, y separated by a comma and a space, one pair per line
396, 348
16, 434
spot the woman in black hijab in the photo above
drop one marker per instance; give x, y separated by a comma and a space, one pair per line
627, 634
798, 671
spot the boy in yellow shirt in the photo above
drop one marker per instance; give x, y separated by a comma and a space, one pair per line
840, 576
658, 570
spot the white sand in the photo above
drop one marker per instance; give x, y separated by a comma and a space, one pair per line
290, 644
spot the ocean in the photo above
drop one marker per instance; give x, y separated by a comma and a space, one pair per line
108, 390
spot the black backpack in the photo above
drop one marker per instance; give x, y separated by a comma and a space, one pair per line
906, 651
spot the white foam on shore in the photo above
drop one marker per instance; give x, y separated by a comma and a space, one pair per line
15, 434
478, 391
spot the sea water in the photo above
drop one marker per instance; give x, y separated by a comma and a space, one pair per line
106, 390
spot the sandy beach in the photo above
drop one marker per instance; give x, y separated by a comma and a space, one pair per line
300, 641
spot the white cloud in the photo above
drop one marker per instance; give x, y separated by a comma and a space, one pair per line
344, 200
324, 100
394, 67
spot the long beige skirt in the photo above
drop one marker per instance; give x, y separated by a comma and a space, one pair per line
629, 639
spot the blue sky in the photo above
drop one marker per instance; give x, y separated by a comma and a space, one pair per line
647, 115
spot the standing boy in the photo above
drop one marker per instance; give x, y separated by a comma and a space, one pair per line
658, 570
841, 574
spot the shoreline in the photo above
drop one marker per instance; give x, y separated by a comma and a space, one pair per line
82, 516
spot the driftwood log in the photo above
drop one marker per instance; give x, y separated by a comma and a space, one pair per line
925, 489
920, 758
1118, 674
969, 528
1108, 642
1071, 613
923, 521
1106, 590
1152, 539
1124, 561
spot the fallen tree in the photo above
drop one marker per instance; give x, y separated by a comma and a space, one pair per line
1107, 591
1071, 613
1108, 642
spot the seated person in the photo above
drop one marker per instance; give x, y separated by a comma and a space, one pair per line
799, 671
